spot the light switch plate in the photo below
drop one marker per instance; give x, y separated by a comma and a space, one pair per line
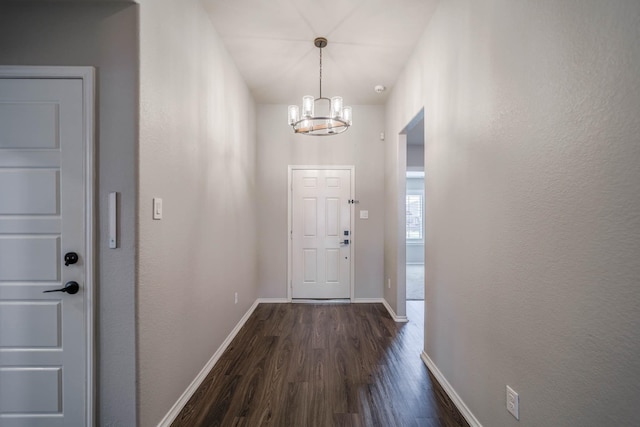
157, 208
364, 214
113, 220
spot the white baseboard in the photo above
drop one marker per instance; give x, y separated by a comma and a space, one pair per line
448, 388
272, 301
367, 301
394, 316
182, 401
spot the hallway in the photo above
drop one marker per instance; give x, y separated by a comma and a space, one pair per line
322, 365
532, 164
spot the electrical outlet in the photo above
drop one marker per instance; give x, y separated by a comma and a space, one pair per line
236, 298
389, 283
513, 403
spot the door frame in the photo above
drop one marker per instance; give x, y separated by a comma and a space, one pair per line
401, 219
352, 239
87, 75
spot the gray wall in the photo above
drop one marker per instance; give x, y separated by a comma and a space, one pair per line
278, 148
104, 36
533, 157
415, 157
197, 153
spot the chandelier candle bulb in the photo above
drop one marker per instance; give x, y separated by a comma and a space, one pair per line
336, 107
307, 106
294, 114
346, 115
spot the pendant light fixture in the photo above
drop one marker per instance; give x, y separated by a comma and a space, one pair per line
320, 116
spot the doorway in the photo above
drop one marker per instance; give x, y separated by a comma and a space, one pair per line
411, 244
320, 233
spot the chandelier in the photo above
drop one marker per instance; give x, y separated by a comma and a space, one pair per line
320, 116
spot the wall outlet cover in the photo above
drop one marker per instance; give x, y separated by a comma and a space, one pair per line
513, 403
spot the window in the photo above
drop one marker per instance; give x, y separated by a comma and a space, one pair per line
414, 216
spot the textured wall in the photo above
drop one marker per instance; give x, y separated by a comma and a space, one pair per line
197, 153
278, 148
103, 36
533, 157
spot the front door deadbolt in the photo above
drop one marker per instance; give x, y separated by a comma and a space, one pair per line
70, 258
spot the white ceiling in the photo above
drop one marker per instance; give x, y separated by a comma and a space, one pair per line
271, 41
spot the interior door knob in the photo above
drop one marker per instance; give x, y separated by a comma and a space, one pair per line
70, 258
69, 287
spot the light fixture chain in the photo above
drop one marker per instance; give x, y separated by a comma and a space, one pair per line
320, 72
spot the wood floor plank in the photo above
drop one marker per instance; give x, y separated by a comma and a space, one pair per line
347, 420
321, 365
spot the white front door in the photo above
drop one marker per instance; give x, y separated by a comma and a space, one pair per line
321, 234
43, 196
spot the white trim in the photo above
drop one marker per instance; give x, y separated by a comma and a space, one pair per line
353, 239
414, 169
321, 301
87, 75
289, 283
448, 388
353, 301
273, 301
367, 301
401, 227
394, 316
46, 72
89, 89
193, 387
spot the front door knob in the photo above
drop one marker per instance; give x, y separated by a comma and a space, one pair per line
70, 258
69, 287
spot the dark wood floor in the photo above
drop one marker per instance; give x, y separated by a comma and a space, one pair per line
302, 365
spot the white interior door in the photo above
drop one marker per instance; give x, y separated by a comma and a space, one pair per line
321, 234
43, 336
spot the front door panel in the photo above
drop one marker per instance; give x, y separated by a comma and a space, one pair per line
43, 342
320, 249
